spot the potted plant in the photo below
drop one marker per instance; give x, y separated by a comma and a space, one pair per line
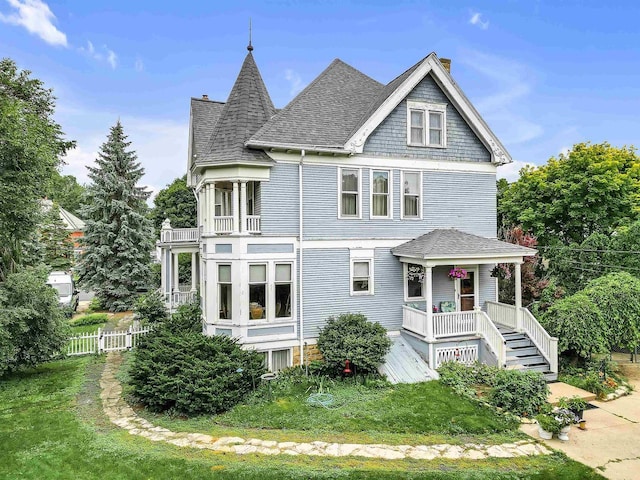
547, 425
576, 404
457, 272
565, 419
255, 310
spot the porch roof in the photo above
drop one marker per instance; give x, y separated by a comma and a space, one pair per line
443, 244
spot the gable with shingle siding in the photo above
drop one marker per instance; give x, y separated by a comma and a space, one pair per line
390, 137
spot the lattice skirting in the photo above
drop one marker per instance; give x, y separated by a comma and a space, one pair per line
464, 354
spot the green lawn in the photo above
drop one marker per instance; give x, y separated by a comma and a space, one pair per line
52, 426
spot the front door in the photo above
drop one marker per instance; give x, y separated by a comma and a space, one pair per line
467, 291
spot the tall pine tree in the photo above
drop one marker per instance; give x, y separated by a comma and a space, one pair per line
118, 237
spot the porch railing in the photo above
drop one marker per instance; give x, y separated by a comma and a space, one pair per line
452, 324
547, 344
223, 224
503, 314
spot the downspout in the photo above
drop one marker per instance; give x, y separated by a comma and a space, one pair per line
300, 262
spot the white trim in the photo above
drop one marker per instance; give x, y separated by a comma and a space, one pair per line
355, 243
361, 256
389, 214
431, 64
427, 108
435, 262
367, 161
420, 195
359, 194
270, 293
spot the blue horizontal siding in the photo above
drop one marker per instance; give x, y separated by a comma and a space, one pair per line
462, 200
326, 289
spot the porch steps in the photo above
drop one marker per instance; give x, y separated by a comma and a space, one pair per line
404, 365
522, 354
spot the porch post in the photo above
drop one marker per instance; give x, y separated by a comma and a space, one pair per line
243, 207
176, 281
428, 276
235, 201
194, 273
518, 279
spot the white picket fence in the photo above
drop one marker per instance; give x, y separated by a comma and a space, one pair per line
105, 341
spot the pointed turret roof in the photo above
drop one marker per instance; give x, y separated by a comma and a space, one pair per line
246, 110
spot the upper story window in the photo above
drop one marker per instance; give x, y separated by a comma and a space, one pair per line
381, 194
411, 195
426, 124
251, 198
349, 199
225, 292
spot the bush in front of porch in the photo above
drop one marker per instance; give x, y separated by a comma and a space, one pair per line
520, 393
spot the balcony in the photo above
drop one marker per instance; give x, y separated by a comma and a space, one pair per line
179, 235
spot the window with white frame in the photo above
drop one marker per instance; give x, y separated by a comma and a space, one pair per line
251, 198
411, 198
276, 360
380, 194
283, 290
415, 281
222, 207
225, 292
349, 192
361, 276
257, 291
426, 124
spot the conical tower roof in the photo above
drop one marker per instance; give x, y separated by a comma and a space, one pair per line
247, 109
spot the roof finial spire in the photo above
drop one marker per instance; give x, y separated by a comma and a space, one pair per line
250, 47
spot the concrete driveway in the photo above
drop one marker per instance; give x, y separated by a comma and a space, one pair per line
611, 443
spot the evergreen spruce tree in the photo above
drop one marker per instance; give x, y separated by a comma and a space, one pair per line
54, 237
118, 237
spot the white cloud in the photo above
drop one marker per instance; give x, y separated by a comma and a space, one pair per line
112, 58
139, 66
511, 171
512, 83
106, 54
476, 19
37, 18
294, 80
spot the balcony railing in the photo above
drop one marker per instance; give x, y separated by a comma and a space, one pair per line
253, 223
223, 224
177, 235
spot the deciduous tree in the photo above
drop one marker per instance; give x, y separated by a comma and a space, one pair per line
31, 144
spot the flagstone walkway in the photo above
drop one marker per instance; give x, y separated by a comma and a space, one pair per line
121, 414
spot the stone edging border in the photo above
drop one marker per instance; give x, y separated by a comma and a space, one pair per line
122, 415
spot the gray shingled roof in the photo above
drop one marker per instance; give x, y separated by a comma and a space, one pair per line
246, 110
205, 114
451, 243
325, 112
384, 94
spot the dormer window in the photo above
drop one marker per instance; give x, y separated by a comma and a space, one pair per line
426, 124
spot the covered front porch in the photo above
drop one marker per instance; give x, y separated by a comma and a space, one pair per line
450, 303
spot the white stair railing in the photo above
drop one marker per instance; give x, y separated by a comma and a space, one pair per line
503, 314
545, 343
495, 340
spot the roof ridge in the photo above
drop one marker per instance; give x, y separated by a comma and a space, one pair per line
336, 61
207, 100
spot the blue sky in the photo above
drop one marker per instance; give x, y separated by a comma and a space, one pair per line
545, 75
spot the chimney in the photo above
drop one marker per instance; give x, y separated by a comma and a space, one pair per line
205, 97
446, 63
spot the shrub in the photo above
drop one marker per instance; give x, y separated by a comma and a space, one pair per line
520, 392
91, 319
95, 305
189, 373
461, 378
150, 308
188, 318
351, 337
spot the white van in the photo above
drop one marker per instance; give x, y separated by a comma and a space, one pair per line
63, 283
